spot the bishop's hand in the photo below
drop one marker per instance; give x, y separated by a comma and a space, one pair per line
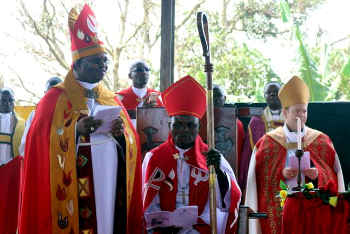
88, 125
289, 173
117, 128
312, 173
213, 158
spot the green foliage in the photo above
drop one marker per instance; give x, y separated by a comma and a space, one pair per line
257, 18
260, 19
240, 70
308, 68
283, 185
243, 71
285, 11
346, 70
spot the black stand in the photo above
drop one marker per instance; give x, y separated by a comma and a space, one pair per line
298, 154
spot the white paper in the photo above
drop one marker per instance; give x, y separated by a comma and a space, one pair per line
304, 161
107, 114
184, 217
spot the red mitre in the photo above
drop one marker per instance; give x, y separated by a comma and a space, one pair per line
83, 33
185, 97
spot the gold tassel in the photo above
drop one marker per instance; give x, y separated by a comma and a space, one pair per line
72, 18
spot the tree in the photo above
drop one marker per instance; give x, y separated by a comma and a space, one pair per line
45, 39
240, 70
137, 36
321, 66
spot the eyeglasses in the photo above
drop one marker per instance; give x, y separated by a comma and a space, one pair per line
98, 60
141, 69
270, 93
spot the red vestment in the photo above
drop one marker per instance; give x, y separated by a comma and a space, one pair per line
270, 158
130, 100
163, 164
50, 183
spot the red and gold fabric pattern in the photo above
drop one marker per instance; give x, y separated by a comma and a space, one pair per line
270, 161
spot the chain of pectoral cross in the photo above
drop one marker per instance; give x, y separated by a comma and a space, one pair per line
182, 191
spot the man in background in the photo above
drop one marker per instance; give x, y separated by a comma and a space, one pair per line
219, 101
138, 94
11, 127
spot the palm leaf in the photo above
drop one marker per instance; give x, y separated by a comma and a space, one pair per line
309, 71
285, 11
346, 69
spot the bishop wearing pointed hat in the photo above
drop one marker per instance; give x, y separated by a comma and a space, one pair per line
77, 179
175, 174
272, 156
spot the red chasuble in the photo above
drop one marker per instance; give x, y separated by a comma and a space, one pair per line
130, 100
162, 171
270, 161
50, 183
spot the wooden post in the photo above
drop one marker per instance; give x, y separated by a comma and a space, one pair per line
167, 44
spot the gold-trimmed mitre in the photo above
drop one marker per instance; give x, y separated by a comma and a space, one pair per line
295, 91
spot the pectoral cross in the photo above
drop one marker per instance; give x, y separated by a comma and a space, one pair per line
177, 156
138, 99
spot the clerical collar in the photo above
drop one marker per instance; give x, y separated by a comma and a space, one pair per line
87, 85
182, 151
89, 92
292, 136
275, 112
139, 92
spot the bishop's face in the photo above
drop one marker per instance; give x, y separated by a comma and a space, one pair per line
291, 113
184, 130
91, 69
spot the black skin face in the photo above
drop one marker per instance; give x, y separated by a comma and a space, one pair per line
271, 96
218, 97
91, 69
6, 102
139, 74
184, 130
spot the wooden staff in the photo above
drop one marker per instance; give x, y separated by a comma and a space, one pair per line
202, 25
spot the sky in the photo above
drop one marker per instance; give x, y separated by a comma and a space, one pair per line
332, 17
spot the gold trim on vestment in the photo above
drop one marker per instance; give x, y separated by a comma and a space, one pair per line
5, 138
279, 136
